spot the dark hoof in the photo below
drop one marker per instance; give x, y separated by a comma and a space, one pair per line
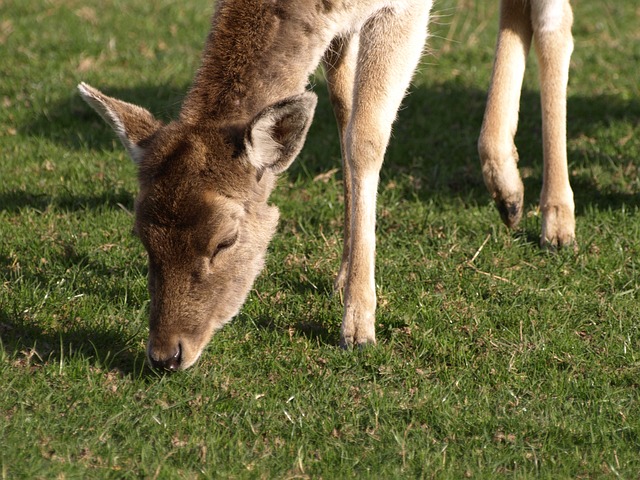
510, 212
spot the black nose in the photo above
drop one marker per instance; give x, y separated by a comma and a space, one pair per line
171, 363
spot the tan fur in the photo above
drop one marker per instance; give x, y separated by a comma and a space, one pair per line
548, 23
202, 211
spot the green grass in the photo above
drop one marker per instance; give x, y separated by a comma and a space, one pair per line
517, 364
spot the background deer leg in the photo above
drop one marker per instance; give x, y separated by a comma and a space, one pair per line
340, 65
553, 44
390, 47
496, 147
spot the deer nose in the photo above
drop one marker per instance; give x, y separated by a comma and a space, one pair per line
171, 363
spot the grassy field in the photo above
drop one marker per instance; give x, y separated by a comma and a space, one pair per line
511, 363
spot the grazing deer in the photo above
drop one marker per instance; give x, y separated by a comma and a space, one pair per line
202, 211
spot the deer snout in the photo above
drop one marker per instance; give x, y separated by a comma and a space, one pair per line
166, 357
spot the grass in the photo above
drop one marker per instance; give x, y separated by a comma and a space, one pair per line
495, 359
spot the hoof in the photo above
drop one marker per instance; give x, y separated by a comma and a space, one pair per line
510, 212
349, 343
558, 228
555, 244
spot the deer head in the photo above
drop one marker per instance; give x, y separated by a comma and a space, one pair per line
202, 212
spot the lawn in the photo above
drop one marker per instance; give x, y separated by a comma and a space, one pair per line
494, 358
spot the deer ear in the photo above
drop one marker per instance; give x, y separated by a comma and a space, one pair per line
276, 135
132, 124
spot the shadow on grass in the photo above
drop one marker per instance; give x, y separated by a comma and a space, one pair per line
73, 124
106, 342
434, 141
108, 349
16, 200
313, 317
312, 330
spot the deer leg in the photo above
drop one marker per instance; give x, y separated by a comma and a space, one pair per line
496, 147
553, 42
340, 65
390, 47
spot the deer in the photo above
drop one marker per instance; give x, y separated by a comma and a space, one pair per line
202, 211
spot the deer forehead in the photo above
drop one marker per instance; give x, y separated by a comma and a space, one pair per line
180, 151
193, 224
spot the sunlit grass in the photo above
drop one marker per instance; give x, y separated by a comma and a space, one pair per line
494, 357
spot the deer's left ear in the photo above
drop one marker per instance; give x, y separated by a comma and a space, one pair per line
276, 135
131, 123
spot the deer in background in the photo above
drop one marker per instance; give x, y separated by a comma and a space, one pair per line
202, 211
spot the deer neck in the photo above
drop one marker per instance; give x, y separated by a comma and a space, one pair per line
257, 53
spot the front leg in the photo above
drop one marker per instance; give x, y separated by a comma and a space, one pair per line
358, 324
496, 147
390, 47
553, 41
340, 66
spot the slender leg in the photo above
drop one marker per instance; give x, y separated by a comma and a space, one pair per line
553, 42
496, 147
340, 66
390, 47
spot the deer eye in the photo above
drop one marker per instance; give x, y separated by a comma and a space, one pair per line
224, 245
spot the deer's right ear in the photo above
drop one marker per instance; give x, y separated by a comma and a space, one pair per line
132, 124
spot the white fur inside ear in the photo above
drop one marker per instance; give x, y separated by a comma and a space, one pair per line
262, 148
276, 135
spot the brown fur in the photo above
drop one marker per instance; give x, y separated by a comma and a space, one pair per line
256, 50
